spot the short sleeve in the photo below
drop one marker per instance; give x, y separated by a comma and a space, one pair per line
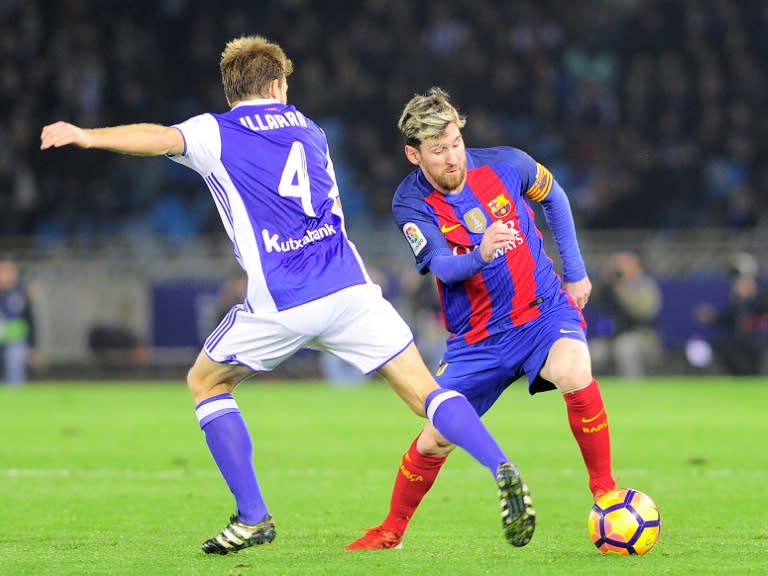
202, 143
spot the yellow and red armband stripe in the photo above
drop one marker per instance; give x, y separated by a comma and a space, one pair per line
541, 186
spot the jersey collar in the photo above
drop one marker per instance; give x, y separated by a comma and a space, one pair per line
257, 102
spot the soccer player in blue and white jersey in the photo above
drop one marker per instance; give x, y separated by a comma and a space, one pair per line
270, 174
466, 216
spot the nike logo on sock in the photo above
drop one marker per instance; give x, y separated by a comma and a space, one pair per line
588, 420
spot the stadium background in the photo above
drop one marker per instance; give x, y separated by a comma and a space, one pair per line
650, 114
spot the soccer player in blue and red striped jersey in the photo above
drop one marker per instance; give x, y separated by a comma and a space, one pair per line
270, 174
467, 217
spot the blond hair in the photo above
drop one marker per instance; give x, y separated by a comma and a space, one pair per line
427, 116
248, 66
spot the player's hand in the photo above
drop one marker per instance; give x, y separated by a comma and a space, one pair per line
496, 236
61, 134
579, 291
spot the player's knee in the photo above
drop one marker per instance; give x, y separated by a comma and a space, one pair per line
573, 381
568, 366
194, 381
201, 383
571, 374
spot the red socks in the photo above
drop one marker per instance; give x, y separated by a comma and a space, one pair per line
414, 479
589, 424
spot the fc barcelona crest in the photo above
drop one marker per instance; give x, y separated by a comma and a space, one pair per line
499, 206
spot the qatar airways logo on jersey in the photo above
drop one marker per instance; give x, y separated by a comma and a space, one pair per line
273, 243
518, 240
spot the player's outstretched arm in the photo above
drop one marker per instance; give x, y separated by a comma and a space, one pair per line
135, 139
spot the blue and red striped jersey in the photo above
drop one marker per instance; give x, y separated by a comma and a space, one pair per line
517, 285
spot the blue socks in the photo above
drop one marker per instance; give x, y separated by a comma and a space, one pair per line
455, 418
230, 444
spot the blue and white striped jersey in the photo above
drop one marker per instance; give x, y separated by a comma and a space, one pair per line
271, 176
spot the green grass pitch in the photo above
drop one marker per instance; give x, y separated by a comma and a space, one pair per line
115, 478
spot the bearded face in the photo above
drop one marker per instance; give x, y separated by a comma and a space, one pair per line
443, 160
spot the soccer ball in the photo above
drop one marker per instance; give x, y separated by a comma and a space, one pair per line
624, 521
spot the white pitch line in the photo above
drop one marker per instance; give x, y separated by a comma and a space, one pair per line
105, 473
64, 473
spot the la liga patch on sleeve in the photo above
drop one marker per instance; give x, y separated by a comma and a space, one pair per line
415, 238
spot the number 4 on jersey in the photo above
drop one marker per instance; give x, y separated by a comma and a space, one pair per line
294, 181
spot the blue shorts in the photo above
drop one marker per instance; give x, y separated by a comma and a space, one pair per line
483, 371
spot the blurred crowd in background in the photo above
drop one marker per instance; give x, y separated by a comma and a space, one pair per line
650, 113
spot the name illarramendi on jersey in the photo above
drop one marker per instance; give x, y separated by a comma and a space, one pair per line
263, 121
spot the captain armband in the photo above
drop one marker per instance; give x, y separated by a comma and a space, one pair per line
542, 185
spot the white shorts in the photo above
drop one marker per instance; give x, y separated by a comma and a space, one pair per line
356, 324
